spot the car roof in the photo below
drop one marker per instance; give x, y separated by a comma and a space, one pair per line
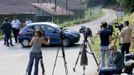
44, 23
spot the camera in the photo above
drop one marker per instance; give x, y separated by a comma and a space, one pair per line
119, 26
86, 31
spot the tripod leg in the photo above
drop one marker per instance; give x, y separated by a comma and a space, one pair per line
65, 63
76, 61
93, 54
55, 61
84, 68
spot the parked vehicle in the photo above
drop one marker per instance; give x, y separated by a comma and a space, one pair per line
49, 29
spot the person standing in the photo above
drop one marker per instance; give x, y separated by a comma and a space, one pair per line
28, 21
125, 38
105, 39
36, 54
7, 28
15, 25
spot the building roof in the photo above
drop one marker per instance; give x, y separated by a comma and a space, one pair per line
16, 7
25, 6
50, 8
72, 4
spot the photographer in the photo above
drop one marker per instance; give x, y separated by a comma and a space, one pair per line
126, 37
105, 38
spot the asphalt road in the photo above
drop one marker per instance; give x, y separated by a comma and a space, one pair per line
13, 60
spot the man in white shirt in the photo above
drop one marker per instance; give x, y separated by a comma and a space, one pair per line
15, 25
28, 21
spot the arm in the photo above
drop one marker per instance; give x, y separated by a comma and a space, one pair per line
122, 33
31, 42
110, 38
46, 41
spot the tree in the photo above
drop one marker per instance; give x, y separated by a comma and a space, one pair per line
129, 4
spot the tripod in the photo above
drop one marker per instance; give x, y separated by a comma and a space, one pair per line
82, 52
63, 54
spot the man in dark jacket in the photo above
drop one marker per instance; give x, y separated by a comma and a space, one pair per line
7, 28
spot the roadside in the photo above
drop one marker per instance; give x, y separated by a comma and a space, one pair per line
109, 16
12, 56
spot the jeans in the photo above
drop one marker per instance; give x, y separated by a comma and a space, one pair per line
109, 71
104, 51
34, 57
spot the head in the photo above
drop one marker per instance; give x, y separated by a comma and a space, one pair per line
104, 24
38, 33
112, 48
126, 23
14, 17
27, 18
6, 19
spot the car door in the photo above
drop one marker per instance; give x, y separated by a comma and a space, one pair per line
53, 33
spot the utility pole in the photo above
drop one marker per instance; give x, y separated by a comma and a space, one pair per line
38, 1
66, 5
55, 5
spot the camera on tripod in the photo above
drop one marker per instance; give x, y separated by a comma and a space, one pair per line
86, 31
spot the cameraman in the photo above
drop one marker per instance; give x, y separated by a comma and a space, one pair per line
126, 37
105, 39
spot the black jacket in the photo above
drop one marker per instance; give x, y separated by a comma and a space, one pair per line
6, 27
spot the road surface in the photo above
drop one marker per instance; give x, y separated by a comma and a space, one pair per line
13, 60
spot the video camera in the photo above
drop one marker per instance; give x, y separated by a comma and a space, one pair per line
86, 31
119, 26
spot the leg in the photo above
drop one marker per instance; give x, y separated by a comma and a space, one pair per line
108, 57
30, 64
36, 65
6, 38
127, 47
15, 34
102, 61
10, 39
123, 48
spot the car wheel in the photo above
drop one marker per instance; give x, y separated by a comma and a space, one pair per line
25, 43
66, 42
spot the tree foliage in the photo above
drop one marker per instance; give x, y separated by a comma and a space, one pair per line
129, 4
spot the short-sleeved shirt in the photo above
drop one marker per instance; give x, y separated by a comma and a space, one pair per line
15, 23
104, 36
36, 47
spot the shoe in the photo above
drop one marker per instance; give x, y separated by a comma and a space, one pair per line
12, 45
4, 43
8, 45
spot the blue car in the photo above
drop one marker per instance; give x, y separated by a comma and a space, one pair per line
49, 30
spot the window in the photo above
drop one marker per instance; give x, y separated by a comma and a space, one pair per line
50, 29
